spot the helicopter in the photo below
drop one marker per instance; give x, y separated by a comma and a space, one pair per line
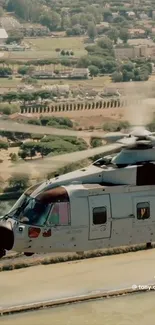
108, 204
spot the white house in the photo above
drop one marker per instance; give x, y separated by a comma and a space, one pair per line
3, 36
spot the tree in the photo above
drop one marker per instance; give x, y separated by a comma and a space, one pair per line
63, 52
23, 70
34, 122
43, 94
117, 77
65, 21
32, 152
15, 36
10, 97
26, 97
95, 142
77, 30
52, 20
124, 35
19, 182
107, 16
75, 19
119, 19
95, 13
105, 43
91, 31
55, 20
9, 109
25, 9
84, 62
113, 34
128, 75
4, 145
13, 157
23, 154
109, 66
94, 71
96, 61
129, 66
6, 110
5, 71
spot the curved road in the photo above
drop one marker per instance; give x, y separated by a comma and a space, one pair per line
40, 283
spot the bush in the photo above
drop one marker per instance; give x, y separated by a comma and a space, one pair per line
52, 145
115, 126
9, 109
56, 121
4, 145
19, 182
13, 157
95, 142
34, 122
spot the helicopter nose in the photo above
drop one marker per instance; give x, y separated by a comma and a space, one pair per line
6, 235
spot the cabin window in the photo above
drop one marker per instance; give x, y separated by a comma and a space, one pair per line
99, 215
59, 214
143, 210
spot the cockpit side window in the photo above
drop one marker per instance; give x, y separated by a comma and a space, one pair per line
143, 210
36, 212
59, 214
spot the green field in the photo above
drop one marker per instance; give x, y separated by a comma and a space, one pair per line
9, 83
44, 48
50, 44
96, 83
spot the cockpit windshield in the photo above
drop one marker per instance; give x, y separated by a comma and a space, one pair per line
31, 211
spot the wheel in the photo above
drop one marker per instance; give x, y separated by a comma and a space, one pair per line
148, 245
28, 254
2, 252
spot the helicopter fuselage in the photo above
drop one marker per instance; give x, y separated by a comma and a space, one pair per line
103, 205
81, 217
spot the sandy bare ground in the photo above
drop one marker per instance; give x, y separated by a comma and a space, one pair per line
75, 278
134, 113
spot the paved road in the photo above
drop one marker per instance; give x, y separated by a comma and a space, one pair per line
75, 278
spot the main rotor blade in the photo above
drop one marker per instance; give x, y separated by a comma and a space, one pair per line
128, 141
36, 129
114, 136
151, 138
50, 164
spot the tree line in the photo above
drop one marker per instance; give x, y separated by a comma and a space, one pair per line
74, 16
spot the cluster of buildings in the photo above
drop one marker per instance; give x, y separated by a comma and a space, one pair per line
133, 52
75, 73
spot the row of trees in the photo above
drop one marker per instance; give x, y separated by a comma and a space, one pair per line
52, 145
54, 121
132, 72
76, 20
113, 33
25, 96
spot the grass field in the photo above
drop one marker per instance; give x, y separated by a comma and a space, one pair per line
43, 48
96, 83
50, 44
7, 84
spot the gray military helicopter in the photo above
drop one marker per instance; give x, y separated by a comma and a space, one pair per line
80, 210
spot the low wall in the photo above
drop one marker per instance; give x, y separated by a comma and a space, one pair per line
73, 106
